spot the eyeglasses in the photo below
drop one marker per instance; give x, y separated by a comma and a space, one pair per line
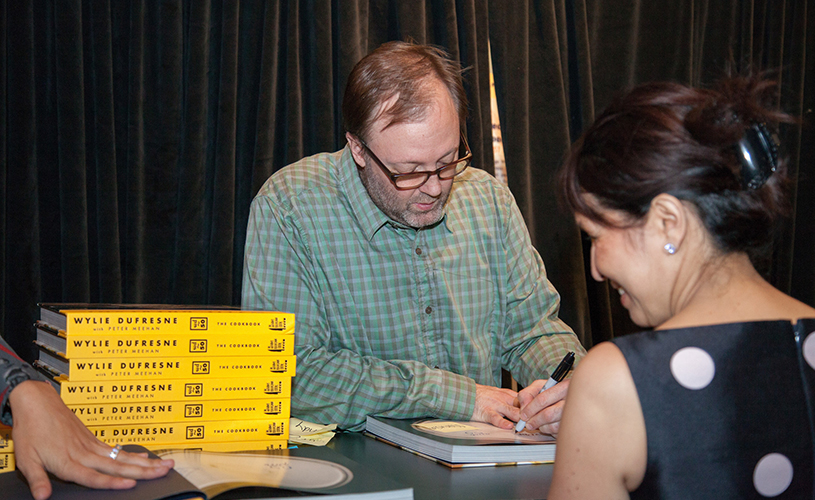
414, 180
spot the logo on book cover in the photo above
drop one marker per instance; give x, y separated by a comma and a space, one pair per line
275, 429
193, 390
198, 345
279, 366
200, 367
273, 387
198, 323
194, 411
277, 345
273, 408
195, 432
277, 324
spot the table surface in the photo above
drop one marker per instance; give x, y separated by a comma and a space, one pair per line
431, 481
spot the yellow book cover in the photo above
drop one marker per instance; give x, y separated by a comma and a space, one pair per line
103, 319
171, 389
197, 432
150, 368
163, 344
6, 444
7, 463
200, 389
182, 411
226, 446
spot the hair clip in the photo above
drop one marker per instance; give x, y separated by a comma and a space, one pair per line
758, 153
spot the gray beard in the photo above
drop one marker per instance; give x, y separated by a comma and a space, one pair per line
381, 193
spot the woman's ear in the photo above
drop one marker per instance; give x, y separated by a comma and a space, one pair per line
668, 216
357, 150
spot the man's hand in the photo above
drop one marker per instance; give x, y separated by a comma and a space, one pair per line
49, 437
543, 411
495, 406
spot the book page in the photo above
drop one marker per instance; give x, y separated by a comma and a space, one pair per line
480, 431
214, 473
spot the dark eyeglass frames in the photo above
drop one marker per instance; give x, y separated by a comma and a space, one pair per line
414, 180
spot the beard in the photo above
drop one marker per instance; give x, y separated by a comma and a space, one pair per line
399, 205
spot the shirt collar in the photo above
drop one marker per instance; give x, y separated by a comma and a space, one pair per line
369, 216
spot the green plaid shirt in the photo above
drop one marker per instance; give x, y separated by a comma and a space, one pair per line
394, 321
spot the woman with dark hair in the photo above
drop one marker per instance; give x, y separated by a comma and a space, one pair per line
679, 190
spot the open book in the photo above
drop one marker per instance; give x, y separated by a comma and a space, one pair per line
304, 473
463, 444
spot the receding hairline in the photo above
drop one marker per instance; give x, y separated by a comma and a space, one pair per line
395, 73
435, 91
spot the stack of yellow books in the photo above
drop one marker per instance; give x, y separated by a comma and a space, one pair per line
6, 449
172, 376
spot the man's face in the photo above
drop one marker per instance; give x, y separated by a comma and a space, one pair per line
411, 147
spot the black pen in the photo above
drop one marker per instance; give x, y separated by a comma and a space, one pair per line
560, 372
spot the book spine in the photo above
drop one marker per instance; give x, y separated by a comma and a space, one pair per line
171, 368
6, 444
7, 463
73, 393
182, 411
166, 344
173, 390
226, 446
105, 322
199, 432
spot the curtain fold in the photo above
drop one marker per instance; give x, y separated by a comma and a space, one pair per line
21, 273
530, 61
802, 84
135, 134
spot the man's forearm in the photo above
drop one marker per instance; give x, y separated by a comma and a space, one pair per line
344, 388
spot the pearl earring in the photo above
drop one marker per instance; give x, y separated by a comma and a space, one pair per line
670, 248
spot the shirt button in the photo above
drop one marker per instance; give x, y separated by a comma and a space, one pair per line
418, 251
428, 310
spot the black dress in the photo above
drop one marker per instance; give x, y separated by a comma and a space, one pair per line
728, 409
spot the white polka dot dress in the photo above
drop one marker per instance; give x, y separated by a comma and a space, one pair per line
728, 410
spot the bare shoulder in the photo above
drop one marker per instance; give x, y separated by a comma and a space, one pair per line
602, 449
785, 306
799, 310
742, 304
603, 389
602, 370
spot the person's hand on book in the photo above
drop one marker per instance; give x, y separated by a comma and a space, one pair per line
543, 410
496, 406
47, 436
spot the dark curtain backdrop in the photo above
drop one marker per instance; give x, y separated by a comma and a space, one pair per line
135, 134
